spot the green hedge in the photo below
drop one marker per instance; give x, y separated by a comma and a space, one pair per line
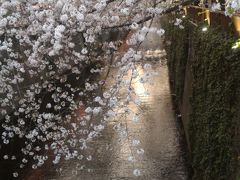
177, 54
215, 68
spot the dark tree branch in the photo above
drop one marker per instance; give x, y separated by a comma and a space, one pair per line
108, 2
167, 11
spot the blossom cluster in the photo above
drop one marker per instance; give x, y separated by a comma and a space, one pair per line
49, 46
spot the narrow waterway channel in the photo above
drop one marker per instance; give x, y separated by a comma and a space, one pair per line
158, 132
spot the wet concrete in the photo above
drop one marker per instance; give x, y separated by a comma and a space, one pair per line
158, 132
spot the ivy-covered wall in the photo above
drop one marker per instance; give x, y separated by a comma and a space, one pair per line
213, 126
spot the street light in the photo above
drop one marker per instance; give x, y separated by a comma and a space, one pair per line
204, 29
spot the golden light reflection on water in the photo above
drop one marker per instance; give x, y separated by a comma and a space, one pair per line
139, 131
137, 85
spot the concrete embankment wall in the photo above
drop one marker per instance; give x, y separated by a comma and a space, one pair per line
204, 71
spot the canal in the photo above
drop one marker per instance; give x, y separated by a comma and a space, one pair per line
154, 149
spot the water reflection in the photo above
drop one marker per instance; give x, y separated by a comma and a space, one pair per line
156, 131
137, 85
158, 135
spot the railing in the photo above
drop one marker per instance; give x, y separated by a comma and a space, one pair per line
201, 14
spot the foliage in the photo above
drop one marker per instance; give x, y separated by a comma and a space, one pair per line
215, 98
177, 40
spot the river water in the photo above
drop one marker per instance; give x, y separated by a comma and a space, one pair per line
158, 133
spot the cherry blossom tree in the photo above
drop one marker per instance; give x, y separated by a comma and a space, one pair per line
46, 44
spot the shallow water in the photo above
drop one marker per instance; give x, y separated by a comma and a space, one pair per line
158, 132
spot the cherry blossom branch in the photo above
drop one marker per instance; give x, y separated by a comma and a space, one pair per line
167, 11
